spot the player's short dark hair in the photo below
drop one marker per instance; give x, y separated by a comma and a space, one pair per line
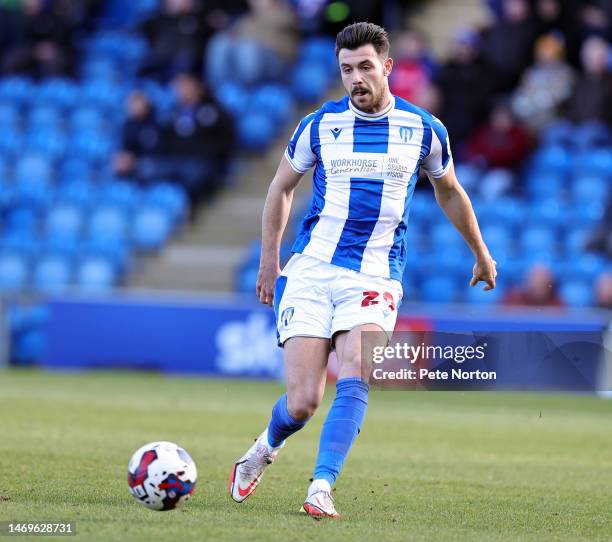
355, 35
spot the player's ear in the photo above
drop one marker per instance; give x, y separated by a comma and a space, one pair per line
387, 66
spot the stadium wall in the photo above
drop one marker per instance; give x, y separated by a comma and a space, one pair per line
224, 336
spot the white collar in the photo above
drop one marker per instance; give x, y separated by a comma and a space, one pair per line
372, 116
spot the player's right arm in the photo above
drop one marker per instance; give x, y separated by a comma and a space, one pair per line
274, 221
299, 158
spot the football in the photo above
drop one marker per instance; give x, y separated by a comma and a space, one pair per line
161, 475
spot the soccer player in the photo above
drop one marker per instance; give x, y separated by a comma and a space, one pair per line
344, 278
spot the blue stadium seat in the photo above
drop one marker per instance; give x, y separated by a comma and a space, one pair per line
65, 221
234, 98
23, 242
444, 236
560, 133
48, 142
497, 236
22, 219
51, 275
10, 118
171, 197
477, 296
151, 228
256, 130
103, 95
11, 143
121, 194
91, 145
584, 267
538, 240
58, 92
75, 169
96, 274
439, 289
13, 273
33, 166
546, 185
99, 69
113, 249
275, 101
61, 245
587, 189
309, 82
586, 216
17, 89
549, 212
576, 240
319, 50
592, 135
555, 160
44, 117
577, 293
469, 176
108, 222
86, 118
595, 162
78, 192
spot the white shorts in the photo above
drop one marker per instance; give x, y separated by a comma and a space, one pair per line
314, 298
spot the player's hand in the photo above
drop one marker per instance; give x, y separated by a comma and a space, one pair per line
485, 271
266, 280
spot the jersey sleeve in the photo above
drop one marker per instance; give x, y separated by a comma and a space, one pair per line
439, 159
299, 153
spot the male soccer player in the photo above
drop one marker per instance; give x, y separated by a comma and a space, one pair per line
344, 277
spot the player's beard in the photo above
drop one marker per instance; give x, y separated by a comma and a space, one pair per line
371, 102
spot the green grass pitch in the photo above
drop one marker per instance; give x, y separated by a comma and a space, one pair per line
427, 466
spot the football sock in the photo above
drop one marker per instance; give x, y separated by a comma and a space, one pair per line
282, 424
341, 427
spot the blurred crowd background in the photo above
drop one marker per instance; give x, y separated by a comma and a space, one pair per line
123, 123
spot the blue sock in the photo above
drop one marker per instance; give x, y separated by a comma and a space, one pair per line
341, 426
282, 424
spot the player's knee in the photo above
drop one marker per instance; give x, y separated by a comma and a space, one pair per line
303, 406
351, 367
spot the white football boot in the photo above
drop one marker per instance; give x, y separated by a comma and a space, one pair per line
319, 502
248, 470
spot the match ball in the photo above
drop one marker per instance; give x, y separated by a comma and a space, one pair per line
161, 475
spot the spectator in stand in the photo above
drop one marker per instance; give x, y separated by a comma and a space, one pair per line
592, 96
257, 47
545, 85
200, 138
502, 142
179, 32
601, 238
603, 291
142, 136
465, 86
539, 290
507, 45
38, 40
412, 67
549, 14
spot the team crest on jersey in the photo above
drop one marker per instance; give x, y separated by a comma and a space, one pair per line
405, 133
286, 316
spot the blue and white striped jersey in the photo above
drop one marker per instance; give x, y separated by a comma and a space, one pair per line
366, 168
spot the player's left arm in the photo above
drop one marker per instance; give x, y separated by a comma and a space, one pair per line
456, 204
